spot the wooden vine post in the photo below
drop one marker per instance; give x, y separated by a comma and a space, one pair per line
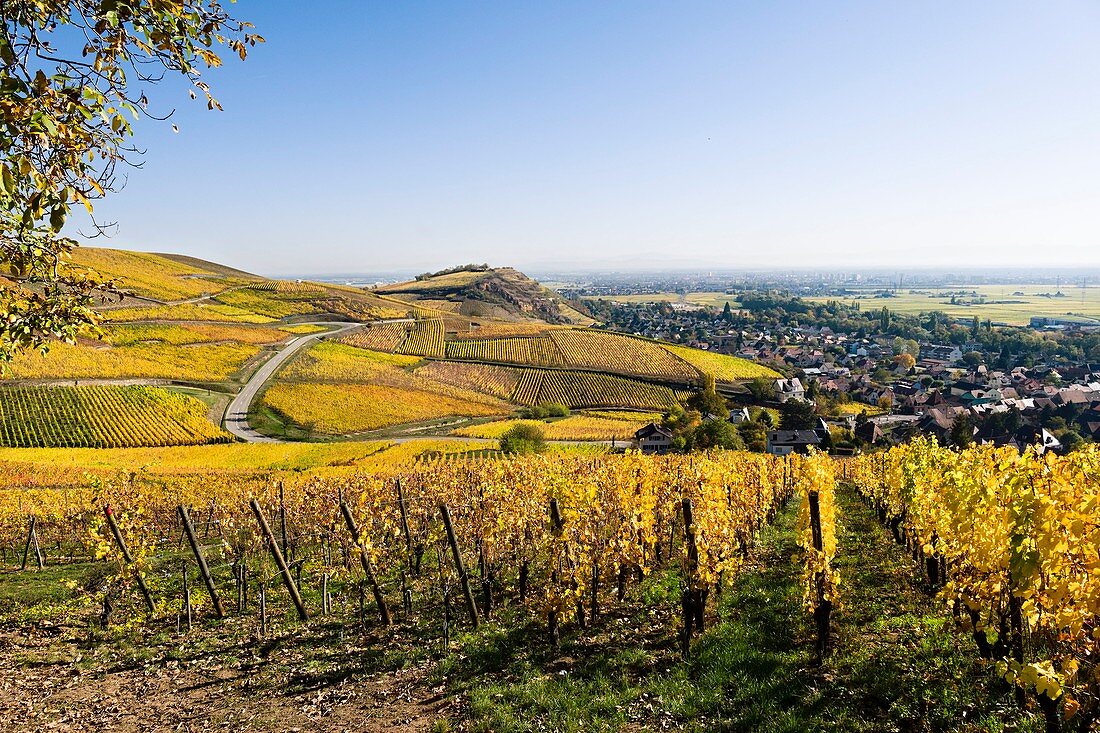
556, 527
32, 541
463, 578
127, 557
694, 598
364, 560
204, 570
405, 525
282, 522
280, 561
824, 608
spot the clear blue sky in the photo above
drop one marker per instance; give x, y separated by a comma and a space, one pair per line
366, 136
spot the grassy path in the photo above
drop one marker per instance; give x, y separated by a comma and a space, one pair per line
898, 663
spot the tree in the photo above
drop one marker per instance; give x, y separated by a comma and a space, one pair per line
962, 431
708, 401
905, 361
812, 390
764, 417
716, 434
66, 122
523, 438
972, 358
727, 313
1071, 441
886, 403
797, 415
754, 435
762, 389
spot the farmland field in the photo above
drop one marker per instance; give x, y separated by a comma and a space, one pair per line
999, 303
712, 299
102, 417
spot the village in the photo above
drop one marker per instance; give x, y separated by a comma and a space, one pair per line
878, 389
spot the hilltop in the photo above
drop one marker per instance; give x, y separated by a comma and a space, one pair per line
480, 291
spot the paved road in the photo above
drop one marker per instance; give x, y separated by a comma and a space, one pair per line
236, 415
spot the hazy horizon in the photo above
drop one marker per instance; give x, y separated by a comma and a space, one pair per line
702, 135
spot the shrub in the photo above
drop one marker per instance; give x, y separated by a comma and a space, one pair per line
523, 438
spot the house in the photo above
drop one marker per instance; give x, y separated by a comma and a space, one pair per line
789, 389
653, 439
739, 416
785, 442
870, 432
935, 353
938, 421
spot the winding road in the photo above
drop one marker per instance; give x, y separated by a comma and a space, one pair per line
236, 414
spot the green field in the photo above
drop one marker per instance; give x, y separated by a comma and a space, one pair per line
998, 303
713, 299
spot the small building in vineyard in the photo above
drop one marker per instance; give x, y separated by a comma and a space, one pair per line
653, 438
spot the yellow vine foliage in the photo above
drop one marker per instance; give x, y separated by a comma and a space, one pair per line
1019, 535
619, 512
817, 476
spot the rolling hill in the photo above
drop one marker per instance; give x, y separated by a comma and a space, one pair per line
501, 294
443, 352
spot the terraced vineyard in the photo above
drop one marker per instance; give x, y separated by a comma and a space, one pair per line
192, 333
425, 339
103, 417
492, 329
614, 352
498, 381
204, 311
378, 337
287, 286
603, 351
724, 368
338, 389
339, 409
199, 362
159, 276
590, 389
530, 351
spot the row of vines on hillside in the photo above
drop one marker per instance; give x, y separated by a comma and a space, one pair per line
103, 417
1013, 543
562, 535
